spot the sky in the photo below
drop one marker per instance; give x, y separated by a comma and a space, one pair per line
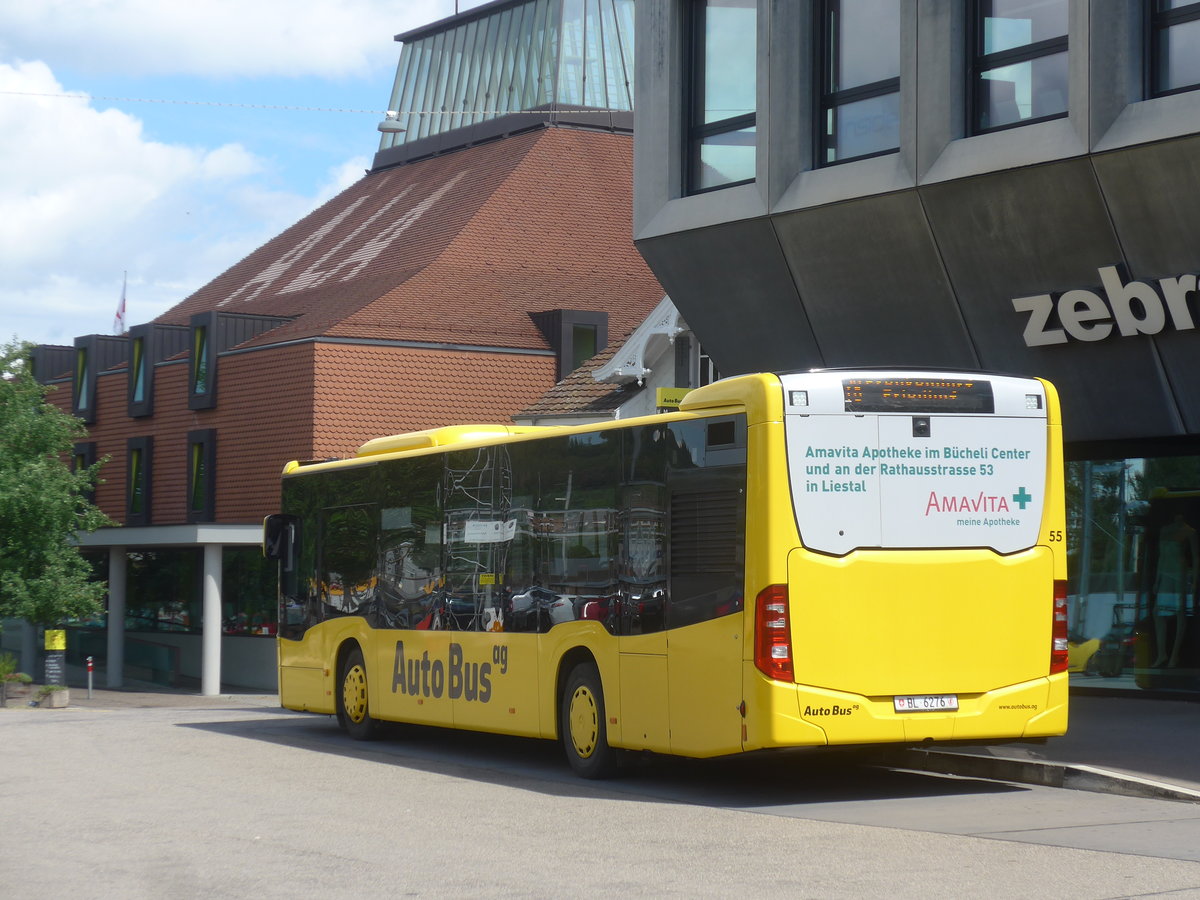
147, 146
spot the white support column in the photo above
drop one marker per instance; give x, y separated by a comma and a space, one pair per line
210, 666
115, 666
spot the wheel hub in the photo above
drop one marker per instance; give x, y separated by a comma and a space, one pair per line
585, 722
354, 694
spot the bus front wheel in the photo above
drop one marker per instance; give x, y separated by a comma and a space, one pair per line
583, 727
352, 708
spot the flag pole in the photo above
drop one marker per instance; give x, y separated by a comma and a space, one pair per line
119, 319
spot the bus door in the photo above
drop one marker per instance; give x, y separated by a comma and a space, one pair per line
642, 649
641, 596
681, 582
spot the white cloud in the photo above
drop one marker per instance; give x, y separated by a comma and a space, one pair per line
87, 196
221, 38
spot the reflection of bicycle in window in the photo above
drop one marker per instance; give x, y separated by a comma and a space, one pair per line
1114, 651
450, 613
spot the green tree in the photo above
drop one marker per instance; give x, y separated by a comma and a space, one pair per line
43, 577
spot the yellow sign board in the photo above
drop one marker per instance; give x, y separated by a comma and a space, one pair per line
487, 578
669, 398
56, 639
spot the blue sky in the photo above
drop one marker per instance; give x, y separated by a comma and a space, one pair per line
174, 192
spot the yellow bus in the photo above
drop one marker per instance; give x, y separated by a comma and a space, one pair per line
800, 559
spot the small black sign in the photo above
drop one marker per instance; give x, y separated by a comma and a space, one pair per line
56, 667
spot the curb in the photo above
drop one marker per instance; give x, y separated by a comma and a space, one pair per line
1045, 774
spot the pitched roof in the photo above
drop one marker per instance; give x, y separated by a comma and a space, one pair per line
457, 248
580, 394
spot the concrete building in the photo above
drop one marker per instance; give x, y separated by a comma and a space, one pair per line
996, 184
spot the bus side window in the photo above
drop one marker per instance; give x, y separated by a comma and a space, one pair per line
348, 577
708, 522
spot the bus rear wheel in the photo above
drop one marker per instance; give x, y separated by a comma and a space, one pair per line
583, 726
352, 707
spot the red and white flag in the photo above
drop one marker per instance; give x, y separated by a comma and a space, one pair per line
119, 318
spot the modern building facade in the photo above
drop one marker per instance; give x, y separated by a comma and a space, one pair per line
473, 267
1003, 185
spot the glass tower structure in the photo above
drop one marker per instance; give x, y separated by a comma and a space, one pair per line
513, 56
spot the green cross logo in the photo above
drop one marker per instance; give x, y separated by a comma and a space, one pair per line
1021, 498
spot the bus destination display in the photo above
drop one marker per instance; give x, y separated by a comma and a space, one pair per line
927, 395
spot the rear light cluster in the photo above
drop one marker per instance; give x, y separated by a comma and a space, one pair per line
1058, 635
773, 633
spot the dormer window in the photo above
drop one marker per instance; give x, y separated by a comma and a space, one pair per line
202, 392
574, 335
148, 346
137, 371
84, 388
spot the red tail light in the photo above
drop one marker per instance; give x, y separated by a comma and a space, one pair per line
1058, 634
773, 633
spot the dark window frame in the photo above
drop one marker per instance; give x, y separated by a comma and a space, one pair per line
1157, 22
203, 353
831, 100
83, 456
140, 356
202, 443
140, 449
83, 382
978, 62
697, 130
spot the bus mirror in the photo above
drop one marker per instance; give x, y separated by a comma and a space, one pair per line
280, 538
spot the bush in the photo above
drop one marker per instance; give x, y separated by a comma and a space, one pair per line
8, 670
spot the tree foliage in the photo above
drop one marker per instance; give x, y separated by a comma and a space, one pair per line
43, 503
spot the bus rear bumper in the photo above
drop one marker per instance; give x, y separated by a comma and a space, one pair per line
794, 715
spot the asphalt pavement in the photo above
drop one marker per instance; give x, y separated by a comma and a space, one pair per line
1115, 743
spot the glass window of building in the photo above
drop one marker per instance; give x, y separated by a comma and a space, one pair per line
1019, 62
860, 79
82, 385
248, 584
201, 473
1133, 564
137, 491
1174, 52
520, 56
584, 344
200, 360
137, 387
721, 133
163, 593
208, 330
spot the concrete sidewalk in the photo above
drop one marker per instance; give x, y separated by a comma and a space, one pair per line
1114, 744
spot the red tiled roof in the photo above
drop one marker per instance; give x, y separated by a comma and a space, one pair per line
581, 394
456, 249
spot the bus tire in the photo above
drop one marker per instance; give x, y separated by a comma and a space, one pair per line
352, 707
582, 724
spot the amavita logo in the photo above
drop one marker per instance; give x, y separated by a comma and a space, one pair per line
1133, 308
961, 503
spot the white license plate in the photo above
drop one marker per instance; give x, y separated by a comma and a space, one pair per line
926, 703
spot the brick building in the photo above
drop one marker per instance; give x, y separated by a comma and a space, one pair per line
475, 265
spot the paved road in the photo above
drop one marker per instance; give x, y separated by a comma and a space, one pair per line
234, 798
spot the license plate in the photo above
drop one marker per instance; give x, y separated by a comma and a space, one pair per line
926, 703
